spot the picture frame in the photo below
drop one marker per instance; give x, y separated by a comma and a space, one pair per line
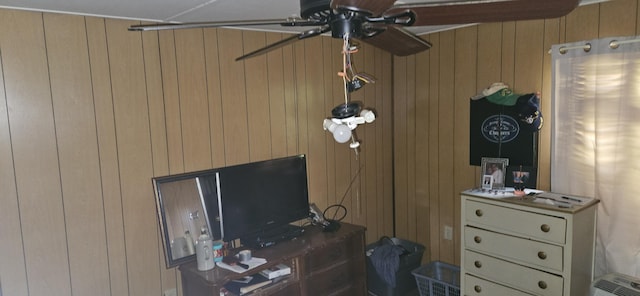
487, 182
520, 177
496, 168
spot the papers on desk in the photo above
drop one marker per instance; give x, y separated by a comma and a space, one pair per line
250, 264
560, 200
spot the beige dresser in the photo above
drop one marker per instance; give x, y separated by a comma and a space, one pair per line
515, 246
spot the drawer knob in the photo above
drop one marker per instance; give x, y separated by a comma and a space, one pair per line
542, 285
478, 264
477, 239
545, 228
477, 288
479, 213
542, 255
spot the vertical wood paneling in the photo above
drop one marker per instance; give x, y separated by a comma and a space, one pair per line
171, 100
106, 139
149, 90
257, 89
37, 171
234, 100
618, 18
158, 136
341, 152
507, 57
13, 277
583, 23
315, 103
511, 52
400, 157
354, 197
135, 163
194, 105
489, 54
410, 215
276, 98
529, 53
433, 81
465, 76
551, 36
330, 82
446, 141
388, 226
422, 172
367, 134
215, 97
75, 123
291, 99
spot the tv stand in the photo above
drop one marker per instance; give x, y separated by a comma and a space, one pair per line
322, 263
272, 236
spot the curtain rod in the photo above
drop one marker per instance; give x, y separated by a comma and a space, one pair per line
614, 44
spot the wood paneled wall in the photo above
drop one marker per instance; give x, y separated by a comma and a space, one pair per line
431, 109
90, 112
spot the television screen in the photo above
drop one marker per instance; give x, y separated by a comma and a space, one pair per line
259, 197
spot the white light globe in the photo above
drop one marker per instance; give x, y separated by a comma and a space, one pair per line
368, 115
341, 133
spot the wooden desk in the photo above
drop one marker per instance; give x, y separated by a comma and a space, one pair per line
322, 263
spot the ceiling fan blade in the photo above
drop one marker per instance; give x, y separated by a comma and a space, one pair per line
286, 41
398, 41
172, 26
375, 7
484, 11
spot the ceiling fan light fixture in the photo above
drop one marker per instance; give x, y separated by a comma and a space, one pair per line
341, 132
345, 110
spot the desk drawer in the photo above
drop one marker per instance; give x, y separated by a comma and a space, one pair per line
525, 251
520, 277
527, 224
331, 280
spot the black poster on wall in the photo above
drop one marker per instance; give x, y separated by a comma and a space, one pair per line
498, 131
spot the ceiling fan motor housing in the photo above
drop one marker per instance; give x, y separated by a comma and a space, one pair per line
346, 23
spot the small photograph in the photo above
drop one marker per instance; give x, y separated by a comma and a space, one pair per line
487, 182
520, 177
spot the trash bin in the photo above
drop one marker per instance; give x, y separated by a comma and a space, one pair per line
409, 259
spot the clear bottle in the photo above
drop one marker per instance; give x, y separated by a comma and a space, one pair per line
190, 247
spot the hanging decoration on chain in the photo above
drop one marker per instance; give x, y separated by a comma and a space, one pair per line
346, 117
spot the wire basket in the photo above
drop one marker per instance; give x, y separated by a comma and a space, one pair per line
438, 279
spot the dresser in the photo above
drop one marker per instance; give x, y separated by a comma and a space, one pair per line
517, 246
322, 263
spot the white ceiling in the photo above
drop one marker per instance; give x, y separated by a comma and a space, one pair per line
190, 10
185, 10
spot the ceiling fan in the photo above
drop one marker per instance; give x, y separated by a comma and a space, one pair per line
380, 22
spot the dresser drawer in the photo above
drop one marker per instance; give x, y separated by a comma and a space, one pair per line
478, 287
517, 276
525, 251
526, 224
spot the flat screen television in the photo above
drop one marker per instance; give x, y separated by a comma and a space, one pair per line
260, 200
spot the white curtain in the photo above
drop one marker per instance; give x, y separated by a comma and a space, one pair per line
596, 141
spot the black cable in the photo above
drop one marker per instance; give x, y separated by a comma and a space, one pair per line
339, 205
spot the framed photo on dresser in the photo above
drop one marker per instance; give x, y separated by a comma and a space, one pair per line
495, 168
